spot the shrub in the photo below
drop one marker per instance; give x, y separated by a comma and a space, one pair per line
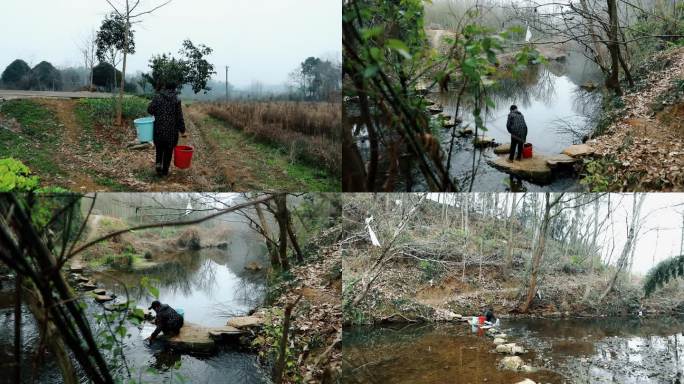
15, 176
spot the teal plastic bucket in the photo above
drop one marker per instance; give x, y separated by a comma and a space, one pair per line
144, 127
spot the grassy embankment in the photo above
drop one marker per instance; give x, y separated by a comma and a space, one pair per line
63, 140
31, 133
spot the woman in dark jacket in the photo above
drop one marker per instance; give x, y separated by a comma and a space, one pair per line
518, 129
168, 121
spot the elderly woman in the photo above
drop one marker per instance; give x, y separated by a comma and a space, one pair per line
168, 122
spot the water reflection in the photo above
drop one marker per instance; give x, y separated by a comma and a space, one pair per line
209, 285
557, 110
613, 350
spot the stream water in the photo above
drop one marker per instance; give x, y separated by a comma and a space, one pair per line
558, 113
605, 350
210, 285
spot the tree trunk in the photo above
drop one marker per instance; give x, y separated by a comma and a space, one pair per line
595, 235
119, 103
509, 245
537, 256
594, 37
282, 347
281, 217
293, 238
52, 337
629, 243
275, 262
17, 327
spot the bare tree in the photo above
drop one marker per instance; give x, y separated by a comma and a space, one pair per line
88, 49
130, 16
632, 233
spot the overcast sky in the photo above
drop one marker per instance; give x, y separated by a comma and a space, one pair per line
260, 40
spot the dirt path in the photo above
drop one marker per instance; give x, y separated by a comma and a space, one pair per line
70, 161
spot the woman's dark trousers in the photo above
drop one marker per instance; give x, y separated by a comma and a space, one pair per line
516, 144
163, 158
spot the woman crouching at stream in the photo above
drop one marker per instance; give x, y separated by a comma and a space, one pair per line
168, 121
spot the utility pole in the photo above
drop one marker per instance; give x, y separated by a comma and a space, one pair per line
227, 82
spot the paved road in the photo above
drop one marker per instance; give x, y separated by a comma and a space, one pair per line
12, 94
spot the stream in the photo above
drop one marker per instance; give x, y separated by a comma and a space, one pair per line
602, 350
558, 113
210, 285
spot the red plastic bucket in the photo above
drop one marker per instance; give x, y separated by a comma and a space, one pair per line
527, 151
182, 156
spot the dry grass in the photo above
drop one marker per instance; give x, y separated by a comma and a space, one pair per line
309, 132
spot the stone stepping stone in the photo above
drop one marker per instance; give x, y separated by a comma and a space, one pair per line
435, 109
510, 349
99, 291
82, 279
578, 150
483, 141
535, 168
253, 266
465, 131
217, 333
87, 286
512, 363
560, 161
103, 298
502, 149
246, 322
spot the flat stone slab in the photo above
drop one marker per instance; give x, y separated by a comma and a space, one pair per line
82, 279
217, 333
578, 150
246, 322
253, 266
435, 109
483, 141
87, 286
511, 362
197, 338
510, 348
535, 168
99, 291
451, 121
103, 298
502, 148
465, 131
192, 337
560, 161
